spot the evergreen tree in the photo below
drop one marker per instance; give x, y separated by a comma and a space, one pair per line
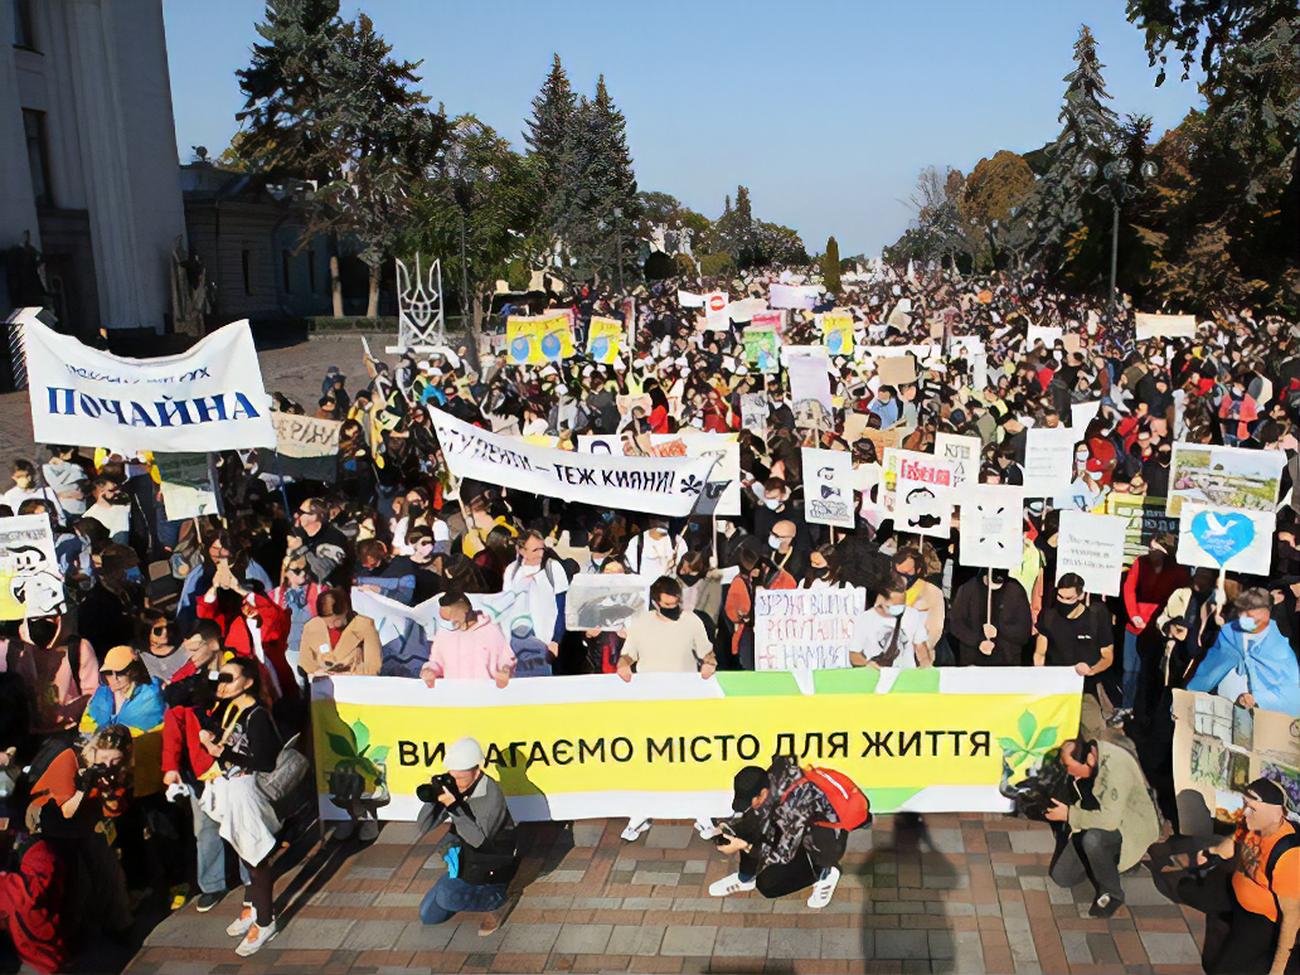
831, 266
736, 231
554, 110
1089, 128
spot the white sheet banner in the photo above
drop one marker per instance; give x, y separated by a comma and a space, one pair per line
688, 300
723, 497
207, 399
1092, 546
794, 296
660, 485
1147, 326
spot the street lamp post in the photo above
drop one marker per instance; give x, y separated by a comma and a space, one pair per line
618, 240
1116, 188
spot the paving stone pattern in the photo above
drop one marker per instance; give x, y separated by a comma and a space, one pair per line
954, 893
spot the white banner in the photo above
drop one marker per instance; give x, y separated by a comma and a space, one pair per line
30, 581
688, 300
992, 526
805, 629
828, 487
744, 309
794, 296
1148, 326
1092, 546
660, 485
723, 497
209, 398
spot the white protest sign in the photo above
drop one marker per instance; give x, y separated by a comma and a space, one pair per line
754, 412
1234, 478
604, 600
1081, 414
1049, 461
187, 485
794, 296
744, 309
810, 391
1149, 326
828, 487
963, 452
1048, 333
1239, 541
30, 581
992, 526
209, 398
688, 300
715, 311
922, 508
805, 629
1093, 547
659, 485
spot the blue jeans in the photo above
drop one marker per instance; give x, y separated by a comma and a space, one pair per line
451, 895
1132, 669
211, 853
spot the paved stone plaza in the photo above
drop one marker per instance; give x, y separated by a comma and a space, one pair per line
957, 893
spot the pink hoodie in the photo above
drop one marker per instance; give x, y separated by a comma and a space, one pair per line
474, 654
57, 698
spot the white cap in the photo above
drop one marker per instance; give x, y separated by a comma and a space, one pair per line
464, 755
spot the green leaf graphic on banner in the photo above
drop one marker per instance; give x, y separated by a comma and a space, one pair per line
1046, 739
340, 746
856, 680
362, 735
772, 683
1028, 725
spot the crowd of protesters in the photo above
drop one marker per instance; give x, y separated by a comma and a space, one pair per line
143, 730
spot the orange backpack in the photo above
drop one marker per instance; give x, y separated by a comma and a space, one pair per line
852, 810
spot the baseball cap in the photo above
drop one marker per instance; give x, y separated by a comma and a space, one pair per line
463, 755
748, 783
117, 659
1266, 791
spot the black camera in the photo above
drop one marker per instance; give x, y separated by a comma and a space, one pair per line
1035, 795
429, 791
99, 776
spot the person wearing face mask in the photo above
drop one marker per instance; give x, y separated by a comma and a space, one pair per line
467, 646
1074, 633
546, 583
757, 571
338, 640
1251, 663
655, 552
58, 670
376, 572
320, 543
891, 633
1189, 622
922, 595
990, 620
701, 586
1155, 471
778, 505
128, 696
780, 542
823, 570
108, 611
1148, 584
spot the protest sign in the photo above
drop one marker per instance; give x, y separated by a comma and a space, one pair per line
1218, 538
828, 490
963, 452
896, 370
837, 332
761, 348
745, 309
923, 508
523, 341
754, 412
31, 583
660, 485
209, 398
803, 296
1081, 414
688, 300
1225, 477
810, 391
805, 629
1048, 334
918, 466
549, 743
188, 485
604, 600
1049, 461
992, 525
555, 336
1150, 326
1219, 748
307, 447
605, 339
715, 311
1093, 547
1146, 519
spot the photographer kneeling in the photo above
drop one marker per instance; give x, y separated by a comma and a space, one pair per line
484, 861
1110, 826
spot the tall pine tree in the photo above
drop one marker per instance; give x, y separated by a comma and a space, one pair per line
1089, 130
831, 266
554, 111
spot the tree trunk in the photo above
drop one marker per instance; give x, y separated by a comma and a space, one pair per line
336, 285
372, 303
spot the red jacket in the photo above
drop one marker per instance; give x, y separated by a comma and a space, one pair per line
1146, 590
274, 629
32, 905
180, 735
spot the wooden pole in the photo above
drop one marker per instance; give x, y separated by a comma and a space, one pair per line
988, 606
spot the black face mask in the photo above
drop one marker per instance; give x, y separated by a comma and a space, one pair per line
689, 579
999, 576
415, 510
672, 613
815, 571
42, 631
908, 578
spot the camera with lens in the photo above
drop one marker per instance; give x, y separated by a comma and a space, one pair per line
429, 791
98, 776
1034, 796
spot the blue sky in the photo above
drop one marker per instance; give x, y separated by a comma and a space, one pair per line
825, 110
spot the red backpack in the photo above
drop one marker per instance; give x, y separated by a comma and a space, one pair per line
852, 810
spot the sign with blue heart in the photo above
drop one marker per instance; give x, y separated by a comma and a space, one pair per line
1223, 534
1219, 538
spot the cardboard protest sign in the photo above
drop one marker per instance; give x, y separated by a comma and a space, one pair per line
963, 452
1150, 326
896, 370
605, 340
209, 397
306, 447
522, 338
828, 487
1092, 546
1225, 477
883, 439
992, 529
810, 392
188, 485
1218, 538
715, 311
31, 583
1049, 461
762, 348
923, 508
805, 629
1219, 748
555, 336
604, 601
837, 332
754, 412
1146, 519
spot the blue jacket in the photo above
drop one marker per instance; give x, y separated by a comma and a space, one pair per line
143, 710
1270, 668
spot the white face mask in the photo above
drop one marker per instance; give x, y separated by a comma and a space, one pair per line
896, 609
774, 542
772, 503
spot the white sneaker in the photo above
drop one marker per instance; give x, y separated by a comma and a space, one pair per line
632, 832
240, 925
368, 831
256, 937
704, 826
823, 890
730, 885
